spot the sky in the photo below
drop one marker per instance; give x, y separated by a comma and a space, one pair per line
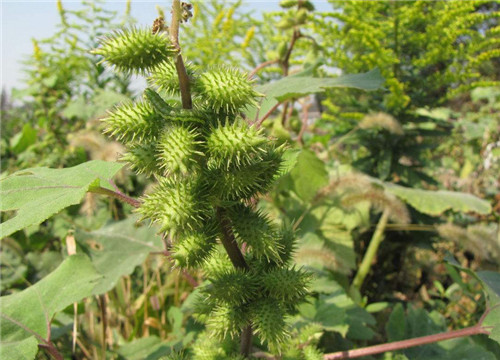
22, 21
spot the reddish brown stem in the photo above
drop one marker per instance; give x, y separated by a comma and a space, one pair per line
229, 242
261, 66
117, 195
179, 62
233, 251
404, 344
259, 122
51, 349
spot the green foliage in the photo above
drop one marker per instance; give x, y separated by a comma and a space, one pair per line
423, 49
49, 191
62, 80
428, 53
437, 202
268, 234
220, 32
29, 311
117, 249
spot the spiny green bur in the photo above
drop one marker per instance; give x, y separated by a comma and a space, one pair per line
135, 50
205, 159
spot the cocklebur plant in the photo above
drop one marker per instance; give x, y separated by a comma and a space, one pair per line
210, 166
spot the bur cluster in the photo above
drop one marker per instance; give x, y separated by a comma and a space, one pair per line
209, 165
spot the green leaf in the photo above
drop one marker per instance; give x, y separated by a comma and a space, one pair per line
308, 175
24, 139
384, 163
25, 349
95, 107
396, 325
289, 157
72, 281
298, 86
117, 249
437, 202
491, 279
326, 313
39, 193
147, 348
493, 319
491, 282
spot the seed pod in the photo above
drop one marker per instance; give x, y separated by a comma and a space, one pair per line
306, 5
234, 144
282, 49
142, 159
288, 3
134, 122
301, 17
176, 205
178, 149
136, 50
226, 90
165, 78
194, 247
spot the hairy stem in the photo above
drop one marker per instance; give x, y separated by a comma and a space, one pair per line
116, 194
233, 251
51, 350
375, 242
229, 242
404, 344
179, 62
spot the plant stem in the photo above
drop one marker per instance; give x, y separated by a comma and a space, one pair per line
104, 322
375, 242
305, 115
179, 62
258, 123
404, 344
229, 242
233, 251
116, 194
261, 66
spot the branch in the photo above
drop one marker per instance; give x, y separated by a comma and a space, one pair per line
179, 62
258, 123
236, 257
261, 66
116, 194
229, 242
404, 344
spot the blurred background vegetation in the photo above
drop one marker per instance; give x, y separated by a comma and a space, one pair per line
359, 162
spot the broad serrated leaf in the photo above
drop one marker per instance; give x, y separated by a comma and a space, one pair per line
39, 193
298, 86
31, 308
435, 203
117, 249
